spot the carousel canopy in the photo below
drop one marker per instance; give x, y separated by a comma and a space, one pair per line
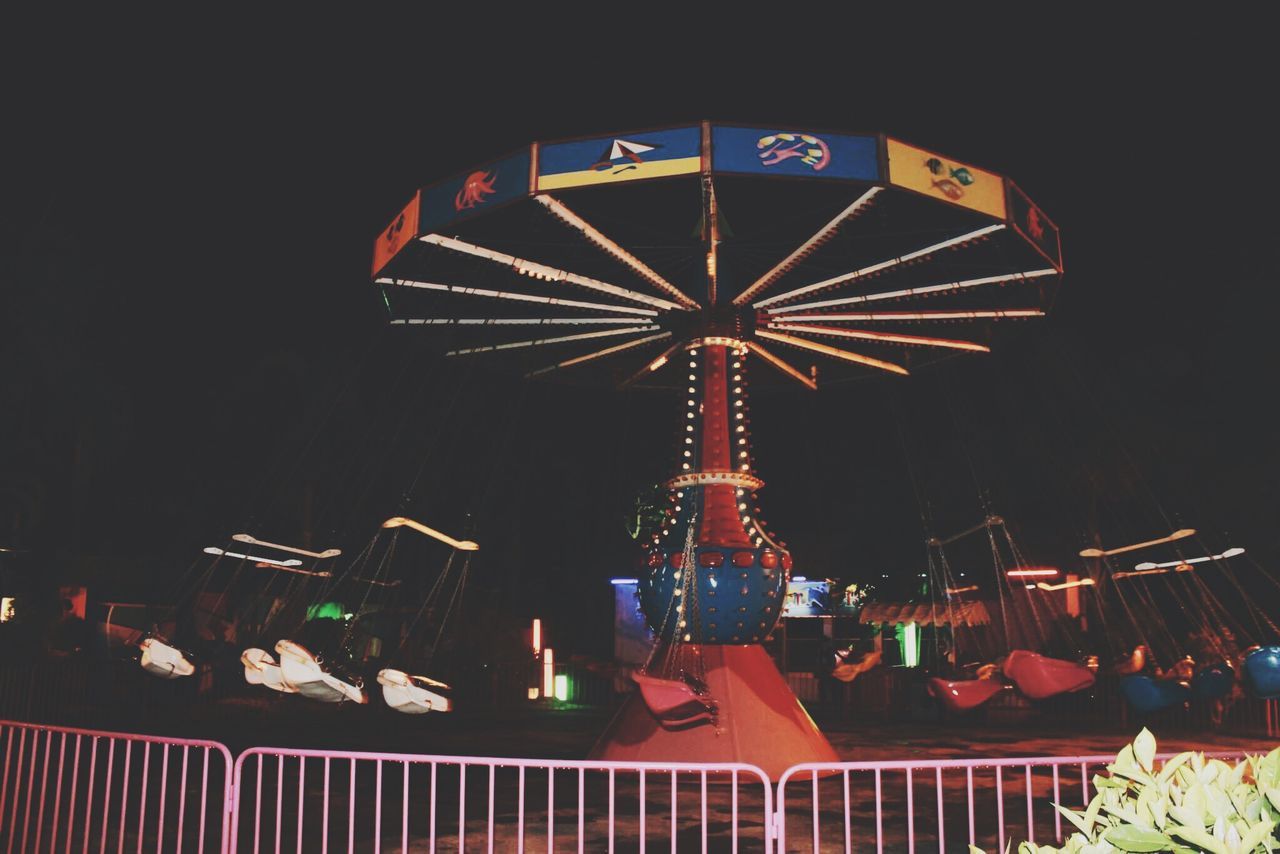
926, 613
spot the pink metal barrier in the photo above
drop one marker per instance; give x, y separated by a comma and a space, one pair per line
320, 800
66, 790
942, 804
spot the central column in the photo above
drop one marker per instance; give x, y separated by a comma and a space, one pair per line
735, 596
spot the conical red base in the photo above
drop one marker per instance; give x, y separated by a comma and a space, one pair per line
760, 722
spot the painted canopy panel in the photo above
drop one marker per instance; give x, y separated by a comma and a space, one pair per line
946, 179
621, 157
797, 154
401, 230
476, 190
1034, 225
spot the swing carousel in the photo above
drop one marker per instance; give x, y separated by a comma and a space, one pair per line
683, 259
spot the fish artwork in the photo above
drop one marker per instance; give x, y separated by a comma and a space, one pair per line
949, 181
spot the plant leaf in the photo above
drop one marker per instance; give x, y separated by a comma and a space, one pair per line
1256, 834
1198, 837
1083, 823
1127, 815
1129, 838
1171, 767
1144, 749
1091, 812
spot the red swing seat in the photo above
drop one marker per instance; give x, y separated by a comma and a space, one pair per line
674, 702
963, 695
1040, 677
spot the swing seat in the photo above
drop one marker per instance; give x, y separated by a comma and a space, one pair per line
315, 679
414, 695
261, 668
1262, 671
674, 702
161, 659
1039, 677
851, 670
964, 695
1214, 681
1182, 671
1134, 662
1148, 695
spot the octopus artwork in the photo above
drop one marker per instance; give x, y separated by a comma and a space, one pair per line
475, 189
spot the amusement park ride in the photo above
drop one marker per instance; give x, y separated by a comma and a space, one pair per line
683, 258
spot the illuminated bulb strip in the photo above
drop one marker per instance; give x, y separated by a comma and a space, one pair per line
316, 573
514, 321
713, 239
211, 550
713, 341
948, 287
712, 478
893, 338
1226, 554
955, 591
1181, 567
1034, 572
253, 541
1066, 585
460, 545
544, 272
760, 532
778, 363
511, 295
1180, 534
538, 342
832, 351
881, 266
877, 316
805, 248
591, 233
662, 359
600, 354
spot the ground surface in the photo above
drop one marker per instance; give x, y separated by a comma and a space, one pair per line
569, 733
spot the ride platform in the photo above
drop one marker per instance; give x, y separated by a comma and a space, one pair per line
759, 722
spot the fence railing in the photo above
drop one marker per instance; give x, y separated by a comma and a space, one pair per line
76, 789
941, 804
65, 790
310, 800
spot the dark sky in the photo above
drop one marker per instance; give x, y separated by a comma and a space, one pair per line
191, 345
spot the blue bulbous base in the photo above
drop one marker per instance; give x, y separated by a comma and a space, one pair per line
737, 595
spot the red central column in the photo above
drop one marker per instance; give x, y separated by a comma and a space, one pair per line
740, 575
721, 523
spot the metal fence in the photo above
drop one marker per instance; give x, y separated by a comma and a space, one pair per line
941, 804
310, 800
69, 789
65, 790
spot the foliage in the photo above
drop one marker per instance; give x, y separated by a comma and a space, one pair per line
1188, 804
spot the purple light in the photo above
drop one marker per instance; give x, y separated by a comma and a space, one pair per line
624, 581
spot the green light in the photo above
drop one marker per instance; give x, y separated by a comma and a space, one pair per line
909, 637
326, 611
562, 687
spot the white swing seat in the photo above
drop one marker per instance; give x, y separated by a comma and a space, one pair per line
302, 670
414, 695
161, 659
260, 668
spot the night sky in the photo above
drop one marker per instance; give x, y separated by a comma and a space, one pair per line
190, 345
